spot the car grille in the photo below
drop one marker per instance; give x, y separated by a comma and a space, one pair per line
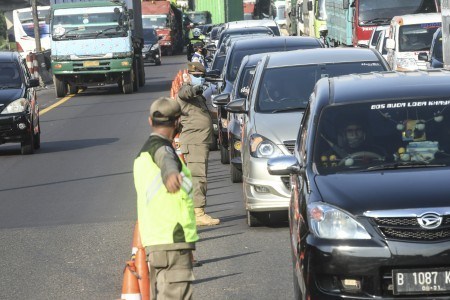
5, 128
290, 145
103, 66
408, 229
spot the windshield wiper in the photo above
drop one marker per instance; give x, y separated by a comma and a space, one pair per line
403, 164
59, 37
108, 29
288, 109
378, 21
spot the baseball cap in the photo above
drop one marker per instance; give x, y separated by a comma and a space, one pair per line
196, 68
165, 109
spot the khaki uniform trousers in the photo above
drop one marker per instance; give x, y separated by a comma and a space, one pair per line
196, 157
171, 274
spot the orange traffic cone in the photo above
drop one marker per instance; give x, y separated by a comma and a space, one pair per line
142, 270
130, 286
136, 243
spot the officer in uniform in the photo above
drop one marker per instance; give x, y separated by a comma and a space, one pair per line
195, 139
165, 206
198, 54
196, 38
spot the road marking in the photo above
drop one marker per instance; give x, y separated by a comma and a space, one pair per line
56, 104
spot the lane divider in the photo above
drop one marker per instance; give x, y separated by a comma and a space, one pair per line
47, 109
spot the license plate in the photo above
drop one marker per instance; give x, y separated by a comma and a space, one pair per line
91, 63
420, 281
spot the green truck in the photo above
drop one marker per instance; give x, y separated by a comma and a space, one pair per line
96, 43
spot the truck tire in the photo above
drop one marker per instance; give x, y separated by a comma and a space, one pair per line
127, 82
60, 86
135, 76
73, 89
141, 72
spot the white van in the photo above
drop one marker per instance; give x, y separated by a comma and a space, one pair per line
409, 35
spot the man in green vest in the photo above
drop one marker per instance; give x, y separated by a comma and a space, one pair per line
165, 207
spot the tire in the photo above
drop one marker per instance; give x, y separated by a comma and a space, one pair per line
158, 62
224, 155
73, 89
127, 84
141, 72
60, 87
253, 219
236, 174
135, 78
27, 146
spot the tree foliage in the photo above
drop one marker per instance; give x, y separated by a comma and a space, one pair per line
2, 25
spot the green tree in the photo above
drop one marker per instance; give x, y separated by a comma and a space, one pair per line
2, 25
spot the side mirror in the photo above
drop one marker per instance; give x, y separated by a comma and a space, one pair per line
208, 59
211, 47
221, 99
283, 165
236, 106
310, 6
34, 82
345, 4
423, 56
390, 44
213, 76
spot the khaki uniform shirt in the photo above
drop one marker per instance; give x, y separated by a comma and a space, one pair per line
196, 119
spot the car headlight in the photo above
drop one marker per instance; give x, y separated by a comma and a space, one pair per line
328, 222
146, 48
407, 63
123, 54
155, 46
17, 106
262, 147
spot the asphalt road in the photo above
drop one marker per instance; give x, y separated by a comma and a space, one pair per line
67, 212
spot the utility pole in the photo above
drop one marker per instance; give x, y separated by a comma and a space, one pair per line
37, 35
445, 11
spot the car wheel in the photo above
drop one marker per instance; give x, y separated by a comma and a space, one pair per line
236, 174
60, 87
224, 155
253, 219
27, 146
158, 62
127, 82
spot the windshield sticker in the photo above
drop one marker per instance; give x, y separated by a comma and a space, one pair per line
411, 104
430, 25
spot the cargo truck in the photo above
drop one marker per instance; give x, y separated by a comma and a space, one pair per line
167, 19
351, 22
222, 11
95, 43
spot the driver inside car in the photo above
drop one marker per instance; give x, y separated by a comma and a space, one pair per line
352, 147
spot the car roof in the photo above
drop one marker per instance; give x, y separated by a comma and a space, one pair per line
8, 56
253, 59
321, 56
395, 85
250, 23
275, 41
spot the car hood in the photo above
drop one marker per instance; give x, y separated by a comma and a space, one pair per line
278, 127
8, 95
396, 189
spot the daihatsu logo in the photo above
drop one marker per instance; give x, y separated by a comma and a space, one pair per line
430, 221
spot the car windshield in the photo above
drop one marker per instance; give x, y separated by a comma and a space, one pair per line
150, 36
417, 37
197, 18
154, 21
378, 135
290, 87
9, 75
76, 23
382, 11
243, 86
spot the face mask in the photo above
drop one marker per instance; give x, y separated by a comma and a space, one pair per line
197, 80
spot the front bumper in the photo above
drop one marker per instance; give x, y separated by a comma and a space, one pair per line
14, 128
152, 56
262, 191
100, 66
326, 263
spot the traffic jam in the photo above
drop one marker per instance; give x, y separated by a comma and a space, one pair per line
330, 114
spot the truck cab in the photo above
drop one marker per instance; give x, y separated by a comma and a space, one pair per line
410, 35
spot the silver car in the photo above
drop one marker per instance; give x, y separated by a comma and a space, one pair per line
279, 94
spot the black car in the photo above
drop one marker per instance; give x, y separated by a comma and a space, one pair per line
375, 223
151, 52
19, 111
234, 56
243, 31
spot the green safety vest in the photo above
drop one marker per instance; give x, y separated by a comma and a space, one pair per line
166, 221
